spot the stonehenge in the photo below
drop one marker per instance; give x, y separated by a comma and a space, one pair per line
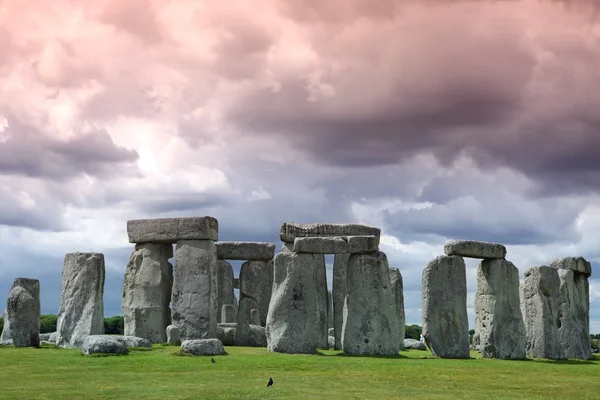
22, 317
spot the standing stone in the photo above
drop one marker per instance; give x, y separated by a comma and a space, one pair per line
320, 278
81, 311
254, 317
329, 312
574, 308
225, 292
539, 306
173, 336
294, 321
340, 268
445, 319
256, 283
499, 321
5, 336
23, 312
228, 313
194, 300
147, 292
370, 312
398, 292
33, 287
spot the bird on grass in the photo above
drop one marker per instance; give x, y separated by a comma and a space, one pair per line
212, 360
270, 382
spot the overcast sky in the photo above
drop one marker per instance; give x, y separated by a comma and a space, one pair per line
431, 120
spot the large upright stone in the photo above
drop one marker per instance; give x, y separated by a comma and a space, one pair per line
247, 251
33, 287
371, 324
194, 295
340, 268
228, 314
574, 306
445, 319
147, 292
475, 249
294, 318
498, 318
292, 230
398, 292
225, 292
256, 284
172, 230
23, 312
81, 311
540, 306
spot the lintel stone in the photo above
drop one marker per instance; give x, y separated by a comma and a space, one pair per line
171, 230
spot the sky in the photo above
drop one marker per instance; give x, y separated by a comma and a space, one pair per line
432, 120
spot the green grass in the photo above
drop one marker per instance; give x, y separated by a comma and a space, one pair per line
49, 373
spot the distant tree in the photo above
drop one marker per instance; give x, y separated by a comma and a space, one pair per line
48, 324
113, 325
412, 332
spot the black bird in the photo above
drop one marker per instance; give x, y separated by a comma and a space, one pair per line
270, 382
212, 360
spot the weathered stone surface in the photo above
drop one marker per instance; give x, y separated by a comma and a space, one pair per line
474, 249
53, 337
203, 347
256, 283
576, 264
5, 336
194, 296
226, 335
104, 344
330, 331
23, 312
498, 320
8, 342
258, 336
574, 311
227, 325
254, 317
412, 344
340, 268
147, 292
32, 286
398, 292
236, 283
287, 247
363, 244
329, 312
321, 245
225, 289
228, 313
292, 230
331, 341
293, 321
81, 311
540, 306
370, 312
246, 251
45, 337
445, 319
134, 341
172, 230
173, 336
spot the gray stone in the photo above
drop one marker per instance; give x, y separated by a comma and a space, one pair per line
340, 268
363, 244
194, 296
227, 325
255, 317
225, 289
330, 331
574, 310
474, 249
445, 319
32, 286
498, 318
8, 342
287, 247
398, 292
5, 336
329, 312
236, 283
292, 230
228, 313
147, 292
576, 264
23, 312
412, 344
173, 336
540, 306
331, 341
172, 230
203, 347
258, 336
53, 337
104, 344
293, 321
45, 337
134, 341
256, 283
321, 245
246, 251
226, 335
81, 311
371, 324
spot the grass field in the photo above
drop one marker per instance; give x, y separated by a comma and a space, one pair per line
49, 373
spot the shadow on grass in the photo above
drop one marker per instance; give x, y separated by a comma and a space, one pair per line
181, 353
397, 356
562, 362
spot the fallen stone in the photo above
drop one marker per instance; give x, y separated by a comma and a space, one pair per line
576, 264
475, 249
172, 230
104, 344
254, 317
32, 286
340, 268
445, 319
226, 335
539, 306
228, 313
412, 344
134, 341
194, 295
147, 292
245, 251
291, 230
225, 290
371, 324
498, 318
398, 292
23, 312
203, 347
256, 283
173, 336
